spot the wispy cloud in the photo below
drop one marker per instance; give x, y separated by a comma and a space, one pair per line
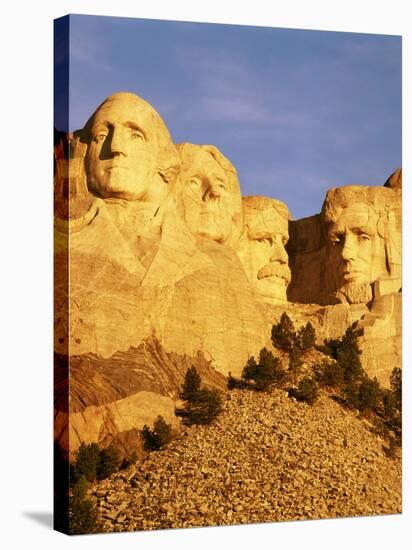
230, 90
89, 49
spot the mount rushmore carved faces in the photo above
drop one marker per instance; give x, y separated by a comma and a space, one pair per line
357, 221
262, 247
208, 195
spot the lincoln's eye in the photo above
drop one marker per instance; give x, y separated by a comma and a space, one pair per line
334, 241
99, 138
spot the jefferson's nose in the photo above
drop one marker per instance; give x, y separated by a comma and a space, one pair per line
118, 144
213, 191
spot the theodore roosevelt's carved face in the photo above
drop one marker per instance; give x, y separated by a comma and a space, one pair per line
209, 198
122, 156
262, 247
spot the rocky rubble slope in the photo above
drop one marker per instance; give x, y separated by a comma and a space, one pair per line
267, 458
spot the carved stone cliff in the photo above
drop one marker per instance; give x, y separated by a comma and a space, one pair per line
161, 264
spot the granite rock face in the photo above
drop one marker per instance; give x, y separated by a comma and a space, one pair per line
160, 264
110, 399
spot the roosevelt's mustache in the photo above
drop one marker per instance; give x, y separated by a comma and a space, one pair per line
275, 269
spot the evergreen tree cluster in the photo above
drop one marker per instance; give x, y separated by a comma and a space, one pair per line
202, 405
265, 374
286, 338
356, 388
95, 463
307, 390
74, 513
158, 437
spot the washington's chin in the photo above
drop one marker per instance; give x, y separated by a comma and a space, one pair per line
119, 189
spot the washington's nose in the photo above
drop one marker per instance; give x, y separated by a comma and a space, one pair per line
118, 144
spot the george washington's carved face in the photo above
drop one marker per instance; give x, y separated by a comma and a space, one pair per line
262, 247
122, 156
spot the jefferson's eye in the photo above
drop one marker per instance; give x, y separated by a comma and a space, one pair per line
194, 182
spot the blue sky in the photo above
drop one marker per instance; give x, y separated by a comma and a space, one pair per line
296, 111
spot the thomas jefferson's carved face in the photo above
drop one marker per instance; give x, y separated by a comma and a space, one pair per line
356, 253
206, 200
262, 252
122, 154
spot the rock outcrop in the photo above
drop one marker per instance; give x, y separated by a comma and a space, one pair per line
108, 400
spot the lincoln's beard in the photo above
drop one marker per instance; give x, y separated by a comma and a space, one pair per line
355, 294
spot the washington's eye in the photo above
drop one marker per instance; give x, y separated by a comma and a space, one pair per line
363, 237
137, 135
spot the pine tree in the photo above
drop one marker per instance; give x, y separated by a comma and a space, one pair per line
283, 334
109, 462
347, 356
369, 394
87, 460
306, 337
159, 436
306, 391
295, 359
264, 374
191, 384
396, 386
268, 372
202, 404
250, 369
